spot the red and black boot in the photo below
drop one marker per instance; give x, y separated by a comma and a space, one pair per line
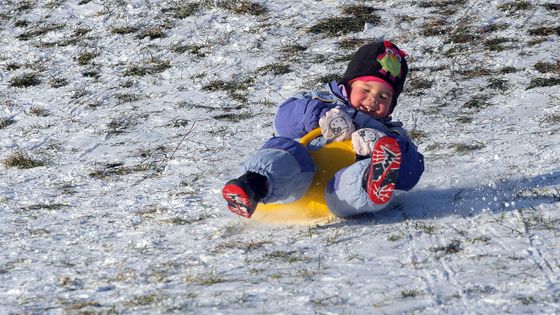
244, 193
383, 170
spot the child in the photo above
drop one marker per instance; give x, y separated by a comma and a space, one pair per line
357, 108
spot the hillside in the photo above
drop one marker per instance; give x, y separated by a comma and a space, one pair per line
121, 120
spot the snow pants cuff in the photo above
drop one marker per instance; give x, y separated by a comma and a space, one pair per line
288, 167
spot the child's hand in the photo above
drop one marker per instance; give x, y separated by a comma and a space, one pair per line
364, 139
336, 125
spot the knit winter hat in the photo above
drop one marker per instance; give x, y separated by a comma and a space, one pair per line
383, 60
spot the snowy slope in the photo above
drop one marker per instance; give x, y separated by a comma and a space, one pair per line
136, 112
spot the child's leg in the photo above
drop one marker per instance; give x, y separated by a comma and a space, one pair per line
280, 171
345, 193
367, 185
287, 166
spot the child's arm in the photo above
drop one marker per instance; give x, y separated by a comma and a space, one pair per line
299, 115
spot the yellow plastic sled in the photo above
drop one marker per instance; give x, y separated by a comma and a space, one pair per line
328, 158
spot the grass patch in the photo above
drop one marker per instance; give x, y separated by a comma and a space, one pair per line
117, 169
362, 12
123, 30
121, 124
498, 84
552, 6
352, 43
462, 148
20, 159
435, 27
6, 121
494, 27
21, 23
39, 111
451, 248
417, 83
91, 73
293, 49
545, 31
25, 80
417, 135
410, 293
394, 237
243, 7
234, 117
477, 102
543, 82
544, 67
182, 11
39, 31
85, 57
274, 69
194, 49
506, 70
151, 66
127, 98
496, 44
151, 32
474, 73
515, 6
552, 119
236, 89
207, 279
336, 26
464, 119
46, 206
57, 82
328, 78
286, 256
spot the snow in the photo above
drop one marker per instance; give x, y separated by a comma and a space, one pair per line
126, 215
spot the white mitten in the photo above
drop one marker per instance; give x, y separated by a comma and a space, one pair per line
336, 125
364, 139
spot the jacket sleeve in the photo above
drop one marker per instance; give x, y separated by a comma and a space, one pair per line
299, 115
412, 164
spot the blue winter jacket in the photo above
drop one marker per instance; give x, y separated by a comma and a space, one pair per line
300, 114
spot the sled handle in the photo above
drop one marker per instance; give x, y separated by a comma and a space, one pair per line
315, 133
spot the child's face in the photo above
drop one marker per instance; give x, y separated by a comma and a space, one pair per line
372, 98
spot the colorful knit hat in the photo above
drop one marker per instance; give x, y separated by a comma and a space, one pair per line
383, 60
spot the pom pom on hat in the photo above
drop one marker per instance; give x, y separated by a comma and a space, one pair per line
383, 60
